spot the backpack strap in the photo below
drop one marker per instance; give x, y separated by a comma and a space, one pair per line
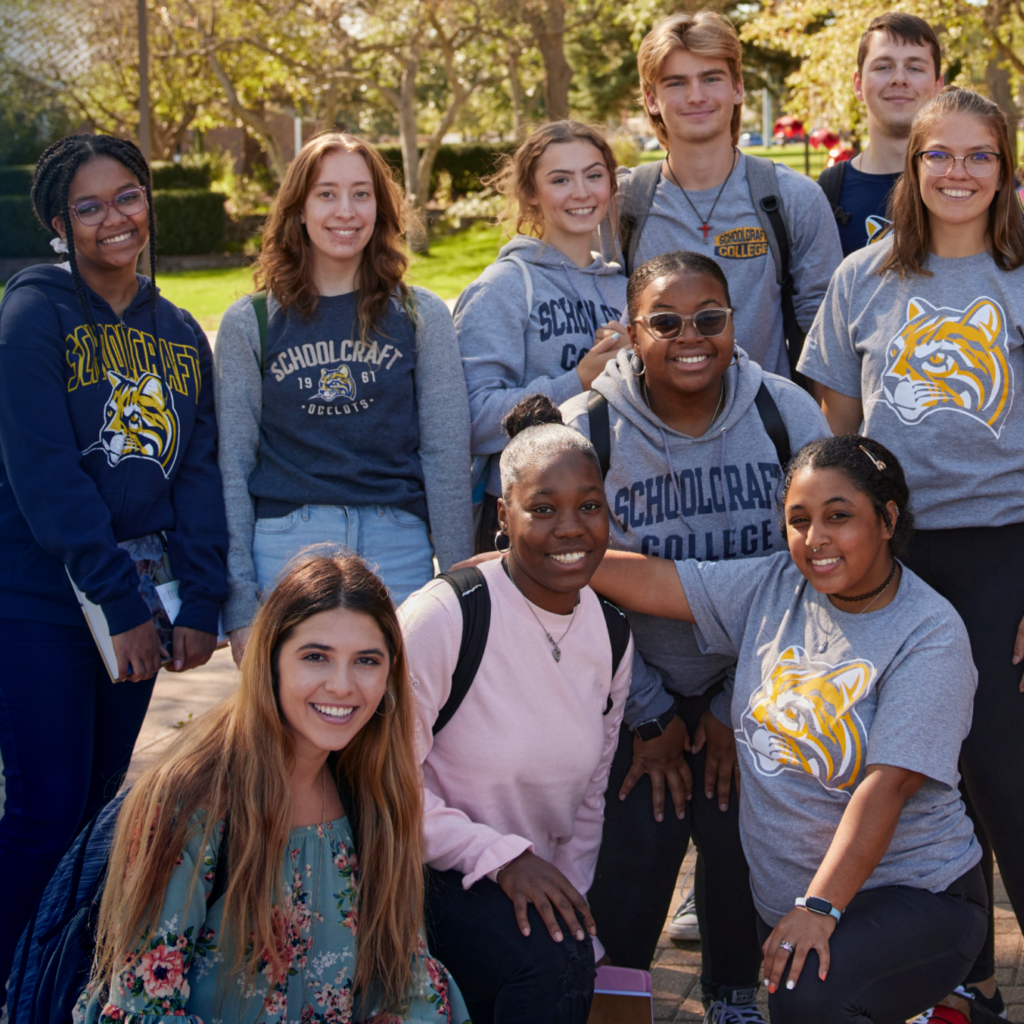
618, 633
475, 602
774, 425
763, 182
636, 196
527, 280
831, 181
600, 429
259, 305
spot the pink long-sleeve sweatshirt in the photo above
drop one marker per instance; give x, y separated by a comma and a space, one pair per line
524, 762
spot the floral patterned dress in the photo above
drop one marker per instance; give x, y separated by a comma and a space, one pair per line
174, 978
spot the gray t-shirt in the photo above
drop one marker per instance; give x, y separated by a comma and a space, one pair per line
820, 694
737, 242
937, 362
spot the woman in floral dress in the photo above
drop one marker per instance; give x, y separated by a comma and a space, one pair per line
268, 869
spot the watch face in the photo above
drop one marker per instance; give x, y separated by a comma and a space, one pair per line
818, 905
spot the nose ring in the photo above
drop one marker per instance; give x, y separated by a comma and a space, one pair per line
817, 549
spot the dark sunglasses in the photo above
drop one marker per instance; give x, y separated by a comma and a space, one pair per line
708, 323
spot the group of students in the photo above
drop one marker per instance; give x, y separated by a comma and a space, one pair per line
572, 431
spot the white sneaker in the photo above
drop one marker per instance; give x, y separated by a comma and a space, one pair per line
721, 1012
684, 925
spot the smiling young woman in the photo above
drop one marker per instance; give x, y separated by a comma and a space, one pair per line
107, 455
307, 777
921, 338
853, 692
557, 303
515, 780
344, 417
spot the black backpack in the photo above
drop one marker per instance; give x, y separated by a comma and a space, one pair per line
53, 960
637, 194
771, 418
475, 602
831, 181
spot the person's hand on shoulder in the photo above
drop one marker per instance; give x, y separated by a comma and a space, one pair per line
663, 760
531, 879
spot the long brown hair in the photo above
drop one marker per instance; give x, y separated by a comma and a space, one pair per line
910, 224
285, 266
232, 764
515, 178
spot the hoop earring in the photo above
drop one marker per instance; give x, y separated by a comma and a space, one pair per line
634, 362
497, 538
391, 709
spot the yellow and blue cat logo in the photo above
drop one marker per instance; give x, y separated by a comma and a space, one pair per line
139, 421
877, 228
803, 718
336, 383
952, 360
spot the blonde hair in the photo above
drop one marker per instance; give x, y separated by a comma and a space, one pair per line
706, 33
910, 217
285, 266
514, 179
232, 764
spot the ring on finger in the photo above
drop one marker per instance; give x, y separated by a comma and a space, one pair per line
787, 946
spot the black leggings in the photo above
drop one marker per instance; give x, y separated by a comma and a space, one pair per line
980, 571
895, 952
505, 977
639, 863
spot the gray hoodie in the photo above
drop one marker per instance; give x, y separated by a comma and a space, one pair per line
512, 347
726, 483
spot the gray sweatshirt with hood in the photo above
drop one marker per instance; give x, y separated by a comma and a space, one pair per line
513, 347
709, 498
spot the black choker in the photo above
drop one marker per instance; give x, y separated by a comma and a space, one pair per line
870, 593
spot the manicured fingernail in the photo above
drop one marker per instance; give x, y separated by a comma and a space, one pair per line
615, 336
622, 796
526, 932
580, 936
558, 936
771, 988
791, 985
723, 807
823, 975
659, 817
177, 666
708, 793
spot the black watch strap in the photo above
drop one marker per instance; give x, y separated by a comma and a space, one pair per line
654, 727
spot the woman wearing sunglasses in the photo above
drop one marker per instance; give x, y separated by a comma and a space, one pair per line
107, 439
692, 474
920, 338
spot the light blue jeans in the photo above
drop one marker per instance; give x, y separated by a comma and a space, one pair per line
394, 543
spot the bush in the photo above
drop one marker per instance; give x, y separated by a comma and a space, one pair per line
20, 233
167, 175
190, 222
16, 181
467, 163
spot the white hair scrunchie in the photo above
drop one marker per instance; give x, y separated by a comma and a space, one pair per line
58, 244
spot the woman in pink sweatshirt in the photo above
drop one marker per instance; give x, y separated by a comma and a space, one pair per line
514, 782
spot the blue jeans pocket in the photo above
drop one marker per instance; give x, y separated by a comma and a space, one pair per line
400, 517
278, 524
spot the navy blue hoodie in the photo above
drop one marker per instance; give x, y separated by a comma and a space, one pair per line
96, 452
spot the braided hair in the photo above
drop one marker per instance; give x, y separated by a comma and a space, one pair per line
51, 185
871, 468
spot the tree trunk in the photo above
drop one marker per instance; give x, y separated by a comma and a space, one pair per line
548, 25
416, 233
516, 89
1000, 88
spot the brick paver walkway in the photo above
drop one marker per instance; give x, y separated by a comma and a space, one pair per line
676, 966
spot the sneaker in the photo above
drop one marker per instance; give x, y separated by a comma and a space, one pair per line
994, 1005
721, 1012
683, 925
940, 1015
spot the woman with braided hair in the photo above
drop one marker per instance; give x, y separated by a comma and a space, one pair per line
107, 442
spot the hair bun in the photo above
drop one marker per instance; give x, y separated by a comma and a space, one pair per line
532, 411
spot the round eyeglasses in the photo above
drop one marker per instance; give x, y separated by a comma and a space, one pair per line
91, 212
977, 165
708, 323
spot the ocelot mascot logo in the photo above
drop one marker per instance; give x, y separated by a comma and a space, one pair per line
803, 718
139, 421
950, 359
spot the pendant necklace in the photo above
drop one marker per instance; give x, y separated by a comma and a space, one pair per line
705, 226
556, 651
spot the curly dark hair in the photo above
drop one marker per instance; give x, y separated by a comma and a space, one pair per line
671, 263
51, 185
858, 457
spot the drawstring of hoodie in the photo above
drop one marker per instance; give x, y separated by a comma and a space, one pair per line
597, 288
673, 477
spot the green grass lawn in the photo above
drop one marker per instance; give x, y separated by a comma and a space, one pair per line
791, 156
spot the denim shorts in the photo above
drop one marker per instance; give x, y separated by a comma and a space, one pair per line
394, 543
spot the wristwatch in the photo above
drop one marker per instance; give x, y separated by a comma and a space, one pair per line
654, 727
816, 905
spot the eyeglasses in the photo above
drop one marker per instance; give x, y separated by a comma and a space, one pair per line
708, 323
91, 212
977, 165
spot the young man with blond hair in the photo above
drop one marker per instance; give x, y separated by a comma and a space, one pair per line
708, 195
899, 70
755, 221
